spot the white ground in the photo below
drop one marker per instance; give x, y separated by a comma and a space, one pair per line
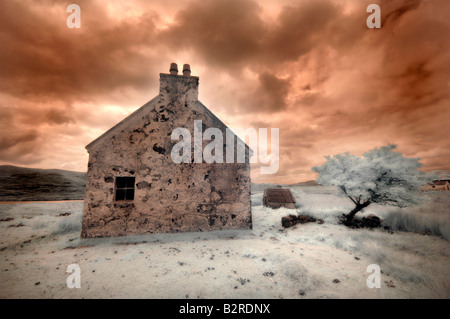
266, 262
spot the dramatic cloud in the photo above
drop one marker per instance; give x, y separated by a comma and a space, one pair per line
311, 68
225, 33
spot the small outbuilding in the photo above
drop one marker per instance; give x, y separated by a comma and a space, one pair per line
437, 186
278, 197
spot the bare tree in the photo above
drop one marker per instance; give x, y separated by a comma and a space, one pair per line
379, 176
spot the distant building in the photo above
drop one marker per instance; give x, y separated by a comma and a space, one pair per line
134, 187
278, 197
437, 186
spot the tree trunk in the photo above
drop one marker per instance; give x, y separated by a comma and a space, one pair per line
358, 208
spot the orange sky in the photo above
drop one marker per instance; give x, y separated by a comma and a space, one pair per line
311, 68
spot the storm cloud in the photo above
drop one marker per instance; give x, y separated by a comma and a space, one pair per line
311, 68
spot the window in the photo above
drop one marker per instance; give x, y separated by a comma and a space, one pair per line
125, 188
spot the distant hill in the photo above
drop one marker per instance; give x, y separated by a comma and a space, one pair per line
441, 174
32, 184
29, 184
307, 183
258, 187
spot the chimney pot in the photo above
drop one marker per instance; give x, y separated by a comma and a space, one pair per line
173, 69
186, 70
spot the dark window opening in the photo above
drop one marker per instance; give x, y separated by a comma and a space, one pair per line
125, 188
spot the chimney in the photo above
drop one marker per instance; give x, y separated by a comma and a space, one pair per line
181, 88
174, 69
186, 70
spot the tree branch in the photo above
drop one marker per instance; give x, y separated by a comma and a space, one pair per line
345, 192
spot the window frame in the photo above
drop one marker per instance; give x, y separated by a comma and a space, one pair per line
124, 188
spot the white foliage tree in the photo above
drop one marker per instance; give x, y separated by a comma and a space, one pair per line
379, 176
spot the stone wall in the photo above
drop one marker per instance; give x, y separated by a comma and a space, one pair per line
169, 197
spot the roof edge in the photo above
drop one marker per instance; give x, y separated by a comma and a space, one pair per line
118, 124
89, 146
220, 121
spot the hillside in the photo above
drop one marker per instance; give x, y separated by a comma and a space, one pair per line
31, 184
441, 174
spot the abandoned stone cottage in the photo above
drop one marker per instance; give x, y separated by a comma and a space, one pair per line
134, 187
